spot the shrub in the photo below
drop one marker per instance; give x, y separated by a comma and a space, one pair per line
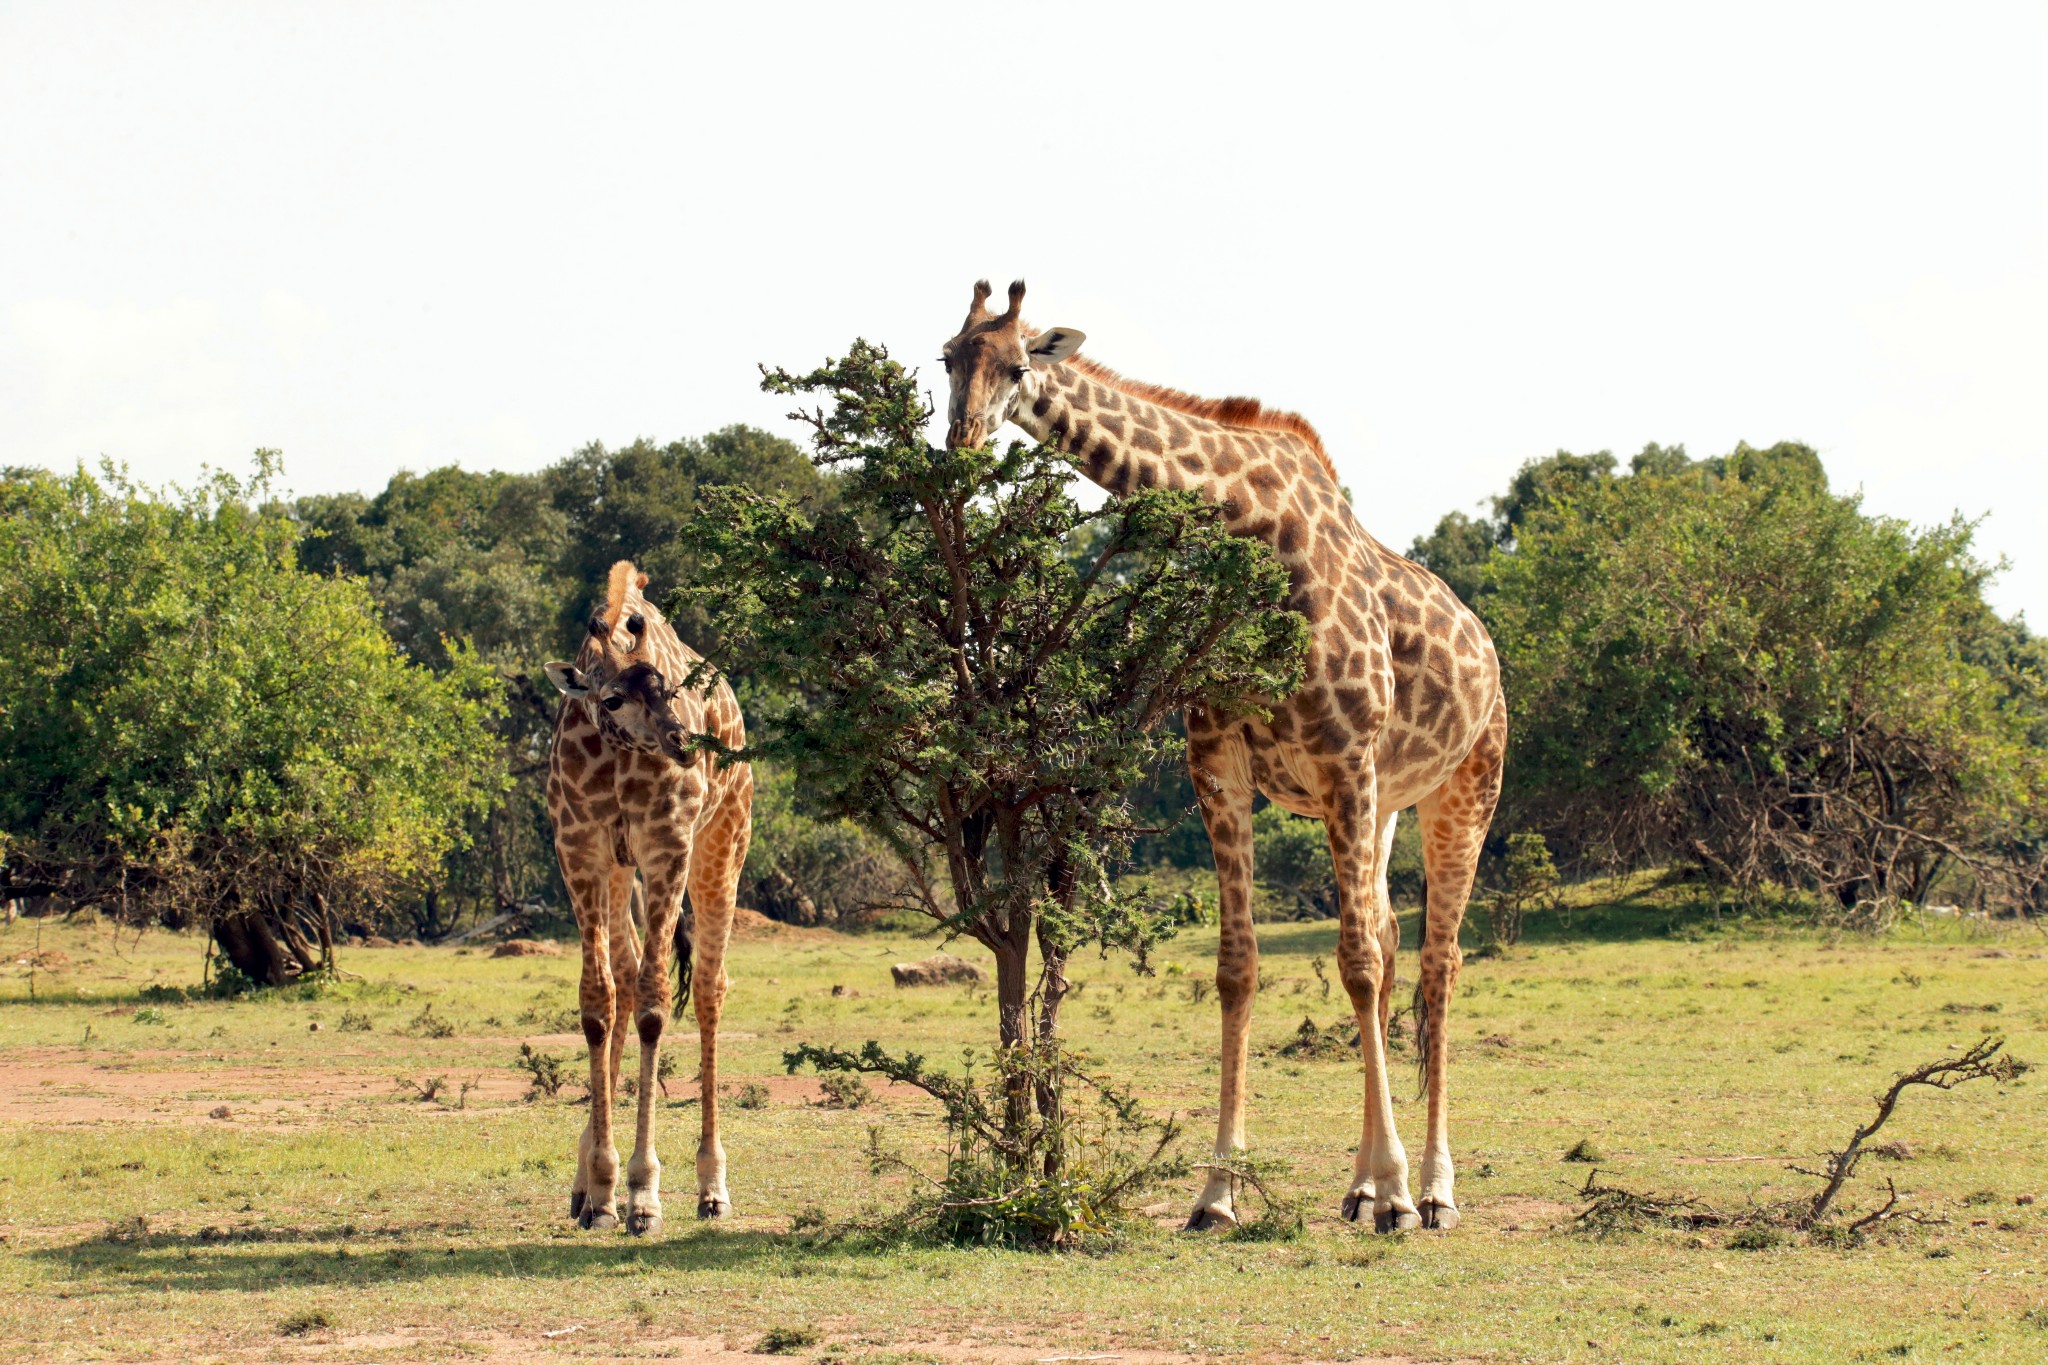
427, 1024
1017, 1174
298, 1324
1759, 1237
787, 1341
844, 1090
1531, 884
546, 1072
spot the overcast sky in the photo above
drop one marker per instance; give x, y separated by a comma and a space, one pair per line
1455, 237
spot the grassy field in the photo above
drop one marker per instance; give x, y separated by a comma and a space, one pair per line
329, 1213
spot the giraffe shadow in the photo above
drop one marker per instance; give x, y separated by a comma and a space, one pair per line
266, 1259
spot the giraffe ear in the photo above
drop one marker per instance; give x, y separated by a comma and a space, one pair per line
564, 676
1053, 345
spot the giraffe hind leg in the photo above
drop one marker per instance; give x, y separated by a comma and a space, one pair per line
1454, 820
714, 884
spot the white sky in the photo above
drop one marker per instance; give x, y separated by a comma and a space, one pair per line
1454, 236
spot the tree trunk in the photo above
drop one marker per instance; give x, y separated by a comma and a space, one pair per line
245, 938
1052, 989
1013, 1031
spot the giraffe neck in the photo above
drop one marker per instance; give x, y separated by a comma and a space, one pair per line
1125, 443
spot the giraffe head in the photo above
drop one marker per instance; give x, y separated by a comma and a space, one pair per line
629, 696
993, 363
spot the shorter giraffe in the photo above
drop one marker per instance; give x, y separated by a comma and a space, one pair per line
626, 791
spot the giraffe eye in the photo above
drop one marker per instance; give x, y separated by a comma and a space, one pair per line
614, 703
1016, 372
947, 361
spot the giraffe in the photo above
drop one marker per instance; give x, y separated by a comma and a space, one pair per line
1401, 705
625, 791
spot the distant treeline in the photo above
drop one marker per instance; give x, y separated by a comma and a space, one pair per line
1717, 662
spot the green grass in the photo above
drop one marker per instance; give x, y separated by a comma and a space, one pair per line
1695, 1052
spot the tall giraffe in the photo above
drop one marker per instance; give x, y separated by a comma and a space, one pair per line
626, 790
1401, 705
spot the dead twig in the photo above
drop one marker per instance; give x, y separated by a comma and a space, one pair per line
1887, 1212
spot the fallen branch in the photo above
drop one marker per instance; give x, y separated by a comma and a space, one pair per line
1611, 1208
1981, 1062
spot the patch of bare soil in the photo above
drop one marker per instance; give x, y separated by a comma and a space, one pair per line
573, 1042
1512, 1214
59, 1086
65, 1086
527, 947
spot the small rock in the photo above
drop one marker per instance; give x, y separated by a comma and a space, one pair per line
313, 1027
220, 1111
2023, 1200
940, 969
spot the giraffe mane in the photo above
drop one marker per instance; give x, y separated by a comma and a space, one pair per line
1242, 413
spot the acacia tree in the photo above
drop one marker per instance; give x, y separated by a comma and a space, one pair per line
195, 728
978, 668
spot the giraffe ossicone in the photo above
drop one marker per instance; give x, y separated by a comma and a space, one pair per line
1401, 705
629, 792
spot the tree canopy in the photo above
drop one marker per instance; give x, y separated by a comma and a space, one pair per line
1723, 661
976, 669
197, 727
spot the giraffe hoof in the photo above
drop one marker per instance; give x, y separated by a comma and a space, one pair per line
1210, 1218
644, 1224
1442, 1217
577, 1199
712, 1207
1354, 1207
1396, 1220
595, 1219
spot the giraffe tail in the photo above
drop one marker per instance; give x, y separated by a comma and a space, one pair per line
1425, 1037
684, 946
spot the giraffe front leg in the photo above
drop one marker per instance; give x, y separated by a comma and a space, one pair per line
664, 876
1228, 818
593, 1197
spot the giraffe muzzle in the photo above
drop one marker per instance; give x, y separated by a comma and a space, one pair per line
966, 433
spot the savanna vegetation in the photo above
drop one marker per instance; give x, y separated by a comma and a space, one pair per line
1718, 664
332, 1212
1774, 829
